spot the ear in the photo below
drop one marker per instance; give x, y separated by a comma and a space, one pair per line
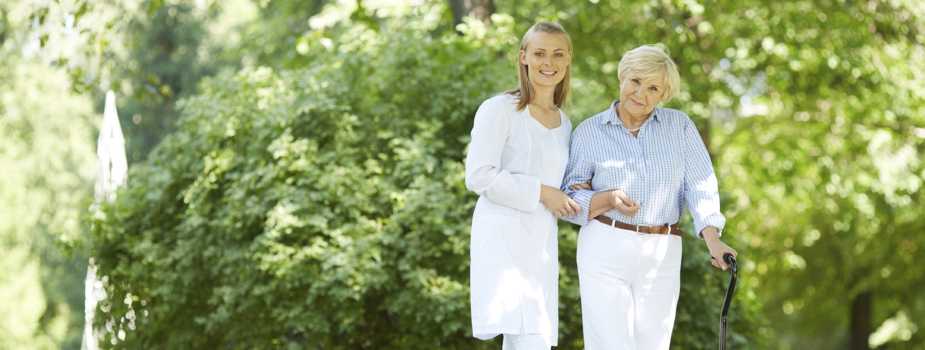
523, 57
661, 97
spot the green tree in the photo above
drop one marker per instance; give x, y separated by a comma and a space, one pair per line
167, 52
813, 112
325, 206
48, 164
830, 167
46, 137
151, 53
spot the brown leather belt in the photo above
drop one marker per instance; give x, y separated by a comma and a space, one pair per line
658, 230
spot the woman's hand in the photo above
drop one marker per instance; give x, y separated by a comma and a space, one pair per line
623, 203
613, 199
558, 202
716, 247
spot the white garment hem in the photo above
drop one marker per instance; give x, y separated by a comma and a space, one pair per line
488, 335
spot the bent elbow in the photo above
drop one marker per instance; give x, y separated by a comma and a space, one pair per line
480, 179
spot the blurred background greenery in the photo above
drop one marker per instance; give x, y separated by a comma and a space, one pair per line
296, 179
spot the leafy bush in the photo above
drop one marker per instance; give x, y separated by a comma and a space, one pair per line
325, 207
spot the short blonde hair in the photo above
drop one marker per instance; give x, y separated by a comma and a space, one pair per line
524, 92
652, 61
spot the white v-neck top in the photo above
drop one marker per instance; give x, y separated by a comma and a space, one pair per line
513, 250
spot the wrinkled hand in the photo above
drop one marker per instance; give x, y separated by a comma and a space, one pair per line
623, 203
717, 248
558, 203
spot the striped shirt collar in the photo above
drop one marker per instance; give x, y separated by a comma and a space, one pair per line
610, 115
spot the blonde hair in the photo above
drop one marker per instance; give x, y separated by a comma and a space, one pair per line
525, 91
652, 61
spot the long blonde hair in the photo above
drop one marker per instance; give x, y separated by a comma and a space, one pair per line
525, 92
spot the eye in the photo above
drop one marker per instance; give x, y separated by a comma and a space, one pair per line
653, 88
635, 81
539, 54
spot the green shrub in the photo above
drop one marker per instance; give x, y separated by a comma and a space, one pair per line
324, 207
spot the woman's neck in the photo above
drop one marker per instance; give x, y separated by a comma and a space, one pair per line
630, 121
544, 97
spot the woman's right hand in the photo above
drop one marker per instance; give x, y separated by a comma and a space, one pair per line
623, 203
557, 202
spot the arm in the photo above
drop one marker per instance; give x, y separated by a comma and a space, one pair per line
701, 190
484, 174
580, 170
702, 193
604, 201
601, 202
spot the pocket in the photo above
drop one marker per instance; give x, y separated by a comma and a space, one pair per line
672, 259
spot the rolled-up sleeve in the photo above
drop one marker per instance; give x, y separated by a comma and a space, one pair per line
484, 174
701, 190
579, 170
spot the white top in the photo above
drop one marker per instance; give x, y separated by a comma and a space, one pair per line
514, 253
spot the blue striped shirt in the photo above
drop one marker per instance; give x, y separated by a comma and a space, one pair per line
662, 169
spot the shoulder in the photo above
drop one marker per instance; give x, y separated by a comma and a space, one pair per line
674, 118
672, 115
566, 121
502, 103
591, 125
496, 112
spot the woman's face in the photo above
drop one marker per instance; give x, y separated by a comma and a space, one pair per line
547, 57
639, 95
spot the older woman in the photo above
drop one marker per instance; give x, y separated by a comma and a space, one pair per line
643, 163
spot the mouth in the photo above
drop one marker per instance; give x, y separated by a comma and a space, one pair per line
548, 73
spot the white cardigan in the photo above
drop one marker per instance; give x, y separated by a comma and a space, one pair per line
514, 255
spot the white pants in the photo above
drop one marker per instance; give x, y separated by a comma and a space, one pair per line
629, 286
525, 342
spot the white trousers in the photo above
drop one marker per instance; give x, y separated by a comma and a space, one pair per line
525, 342
629, 285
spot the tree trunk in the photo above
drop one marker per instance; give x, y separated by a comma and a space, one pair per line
480, 9
861, 308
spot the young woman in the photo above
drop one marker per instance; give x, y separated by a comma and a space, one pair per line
516, 161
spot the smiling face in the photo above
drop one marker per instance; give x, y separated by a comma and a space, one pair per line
648, 76
547, 57
640, 94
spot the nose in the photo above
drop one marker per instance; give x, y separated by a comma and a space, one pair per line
637, 91
546, 61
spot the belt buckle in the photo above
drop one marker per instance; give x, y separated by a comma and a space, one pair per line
636, 228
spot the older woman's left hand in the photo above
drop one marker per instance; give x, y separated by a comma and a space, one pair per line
717, 248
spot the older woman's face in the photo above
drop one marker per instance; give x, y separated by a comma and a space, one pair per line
639, 95
547, 58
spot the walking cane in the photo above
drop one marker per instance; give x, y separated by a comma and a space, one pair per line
733, 271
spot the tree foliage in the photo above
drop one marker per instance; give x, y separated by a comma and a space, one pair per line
311, 193
48, 166
309, 206
813, 113
325, 207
